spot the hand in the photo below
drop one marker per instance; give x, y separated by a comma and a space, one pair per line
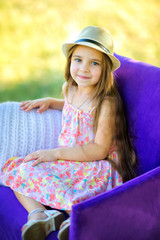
42, 104
41, 156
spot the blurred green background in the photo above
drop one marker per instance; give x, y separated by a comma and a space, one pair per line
32, 32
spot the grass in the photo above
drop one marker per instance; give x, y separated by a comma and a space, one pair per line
50, 84
32, 32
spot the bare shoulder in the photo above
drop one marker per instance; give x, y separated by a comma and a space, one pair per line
70, 92
108, 106
106, 123
70, 89
107, 114
64, 86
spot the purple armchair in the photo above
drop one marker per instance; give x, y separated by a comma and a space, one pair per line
131, 211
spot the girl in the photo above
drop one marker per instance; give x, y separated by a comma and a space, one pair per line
95, 153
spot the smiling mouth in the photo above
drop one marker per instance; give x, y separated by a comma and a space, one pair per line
83, 77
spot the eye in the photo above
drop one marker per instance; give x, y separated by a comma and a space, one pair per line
95, 63
77, 60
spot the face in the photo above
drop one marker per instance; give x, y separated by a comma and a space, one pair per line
86, 66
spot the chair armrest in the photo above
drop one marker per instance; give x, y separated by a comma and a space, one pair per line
131, 211
22, 133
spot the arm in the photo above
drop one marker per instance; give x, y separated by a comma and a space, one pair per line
42, 104
90, 152
103, 139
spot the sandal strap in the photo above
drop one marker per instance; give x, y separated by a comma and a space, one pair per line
38, 210
64, 229
30, 222
65, 223
50, 213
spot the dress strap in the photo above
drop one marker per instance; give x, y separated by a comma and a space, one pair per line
82, 102
92, 108
66, 99
72, 96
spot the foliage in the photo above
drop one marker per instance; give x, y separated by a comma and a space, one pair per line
32, 32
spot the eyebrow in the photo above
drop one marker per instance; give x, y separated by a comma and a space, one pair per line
92, 59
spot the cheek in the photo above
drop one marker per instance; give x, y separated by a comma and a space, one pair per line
98, 73
73, 70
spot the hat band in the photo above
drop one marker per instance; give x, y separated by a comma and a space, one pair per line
94, 42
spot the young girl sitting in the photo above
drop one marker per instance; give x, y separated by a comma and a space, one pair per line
95, 153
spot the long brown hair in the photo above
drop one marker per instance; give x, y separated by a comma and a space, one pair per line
106, 87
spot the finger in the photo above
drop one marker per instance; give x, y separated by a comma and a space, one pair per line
42, 108
25, 105
30, 106
24, 102
37, 161
30, 157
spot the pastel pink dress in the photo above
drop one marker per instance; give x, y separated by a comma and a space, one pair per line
60, 184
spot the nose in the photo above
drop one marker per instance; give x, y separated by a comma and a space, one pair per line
84, 67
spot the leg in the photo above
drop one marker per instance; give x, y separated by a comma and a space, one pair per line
40, 223
30, 204
68, 211
64, 228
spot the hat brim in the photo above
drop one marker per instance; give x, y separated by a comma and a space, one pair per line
67, 46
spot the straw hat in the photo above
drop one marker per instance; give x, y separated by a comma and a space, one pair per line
95, 37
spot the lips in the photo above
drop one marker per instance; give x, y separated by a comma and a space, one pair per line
83, 77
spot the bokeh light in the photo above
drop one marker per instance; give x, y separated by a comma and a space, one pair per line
32, 33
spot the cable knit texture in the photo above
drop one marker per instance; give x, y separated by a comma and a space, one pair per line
22, 133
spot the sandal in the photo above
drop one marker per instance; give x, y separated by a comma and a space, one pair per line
64, 230
40, 229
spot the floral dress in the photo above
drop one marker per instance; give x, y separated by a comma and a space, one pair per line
60, 184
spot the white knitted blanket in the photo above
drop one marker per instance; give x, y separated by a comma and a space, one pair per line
22, 133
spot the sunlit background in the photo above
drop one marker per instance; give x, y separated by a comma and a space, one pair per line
32, 32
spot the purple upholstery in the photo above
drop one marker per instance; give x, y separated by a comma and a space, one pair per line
130, 211
139, 85
13, 216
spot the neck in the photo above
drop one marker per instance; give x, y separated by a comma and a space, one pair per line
82, 97
84, 91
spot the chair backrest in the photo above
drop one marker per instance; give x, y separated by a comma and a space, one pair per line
139, 86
